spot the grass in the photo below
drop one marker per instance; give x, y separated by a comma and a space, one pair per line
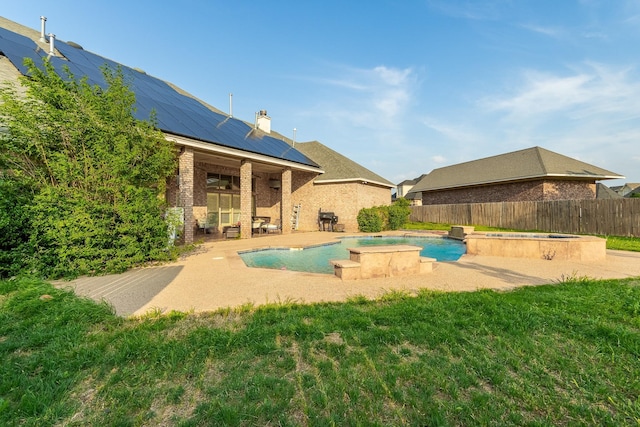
613, 242
562, 354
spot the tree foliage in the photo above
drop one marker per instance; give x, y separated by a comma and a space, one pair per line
94, 175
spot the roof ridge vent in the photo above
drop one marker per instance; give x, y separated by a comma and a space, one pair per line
74, 44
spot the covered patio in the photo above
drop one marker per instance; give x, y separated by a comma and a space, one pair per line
219, 187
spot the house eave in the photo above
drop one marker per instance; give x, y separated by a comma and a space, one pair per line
581, 177
240, 154
356, 180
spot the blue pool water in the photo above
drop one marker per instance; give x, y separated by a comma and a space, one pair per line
316, 259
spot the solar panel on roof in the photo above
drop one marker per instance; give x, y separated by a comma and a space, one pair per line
16, 53
176, 113
17, 38
73, 54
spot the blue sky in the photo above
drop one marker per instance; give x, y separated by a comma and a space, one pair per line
401, 87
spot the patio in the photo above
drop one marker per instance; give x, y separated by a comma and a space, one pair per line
214, 277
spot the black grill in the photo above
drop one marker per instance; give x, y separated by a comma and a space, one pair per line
327, 219
327, 215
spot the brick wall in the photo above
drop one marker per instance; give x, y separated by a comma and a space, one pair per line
186, 167
539, 190
344, 199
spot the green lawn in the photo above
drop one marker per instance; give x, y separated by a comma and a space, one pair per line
613, 242
562, 354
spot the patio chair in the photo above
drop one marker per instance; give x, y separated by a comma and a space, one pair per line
271, 227
208, 224
256, 226
203, 225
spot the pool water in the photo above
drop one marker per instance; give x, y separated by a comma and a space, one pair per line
316, 259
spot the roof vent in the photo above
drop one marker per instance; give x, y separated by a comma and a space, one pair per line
43, 19
52, 40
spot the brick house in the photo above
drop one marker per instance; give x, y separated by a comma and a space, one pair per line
628, 189
229, 170
405, 187
532, 174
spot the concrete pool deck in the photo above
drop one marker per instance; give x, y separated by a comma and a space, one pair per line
214, 276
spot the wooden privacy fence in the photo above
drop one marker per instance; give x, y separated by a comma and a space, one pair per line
615, 217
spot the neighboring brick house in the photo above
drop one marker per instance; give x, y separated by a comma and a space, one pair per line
229, 170
532, 174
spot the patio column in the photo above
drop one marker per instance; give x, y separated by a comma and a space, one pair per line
185, 164
245, 199
285, 205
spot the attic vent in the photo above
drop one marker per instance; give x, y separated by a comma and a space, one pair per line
74, 44
141, 71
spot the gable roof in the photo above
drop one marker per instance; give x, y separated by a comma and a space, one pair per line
604, 192
522, 165
413, 181
177, 113
338, 168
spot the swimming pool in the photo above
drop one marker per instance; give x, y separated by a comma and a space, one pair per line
315, 259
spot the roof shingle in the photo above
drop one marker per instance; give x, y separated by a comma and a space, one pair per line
522, 165
338, 167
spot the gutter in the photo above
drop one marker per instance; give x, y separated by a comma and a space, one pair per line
361, 180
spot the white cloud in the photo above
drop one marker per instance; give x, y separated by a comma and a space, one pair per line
470, 9
547, 31
594, 90
374, 98
453, 132
438, 159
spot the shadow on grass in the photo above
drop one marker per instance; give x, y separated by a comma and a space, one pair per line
504, 274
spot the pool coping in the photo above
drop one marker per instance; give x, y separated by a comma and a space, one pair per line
338, 240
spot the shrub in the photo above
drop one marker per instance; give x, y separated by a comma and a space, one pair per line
398, 214
379, 218
370, 220
90, 177
15, 226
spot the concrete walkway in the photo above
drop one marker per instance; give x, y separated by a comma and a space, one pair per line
214, 277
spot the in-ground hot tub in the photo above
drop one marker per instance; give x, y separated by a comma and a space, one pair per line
537, 245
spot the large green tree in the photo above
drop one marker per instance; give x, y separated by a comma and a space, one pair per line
85, 177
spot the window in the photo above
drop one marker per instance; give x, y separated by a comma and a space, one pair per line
216, 181
223, 198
